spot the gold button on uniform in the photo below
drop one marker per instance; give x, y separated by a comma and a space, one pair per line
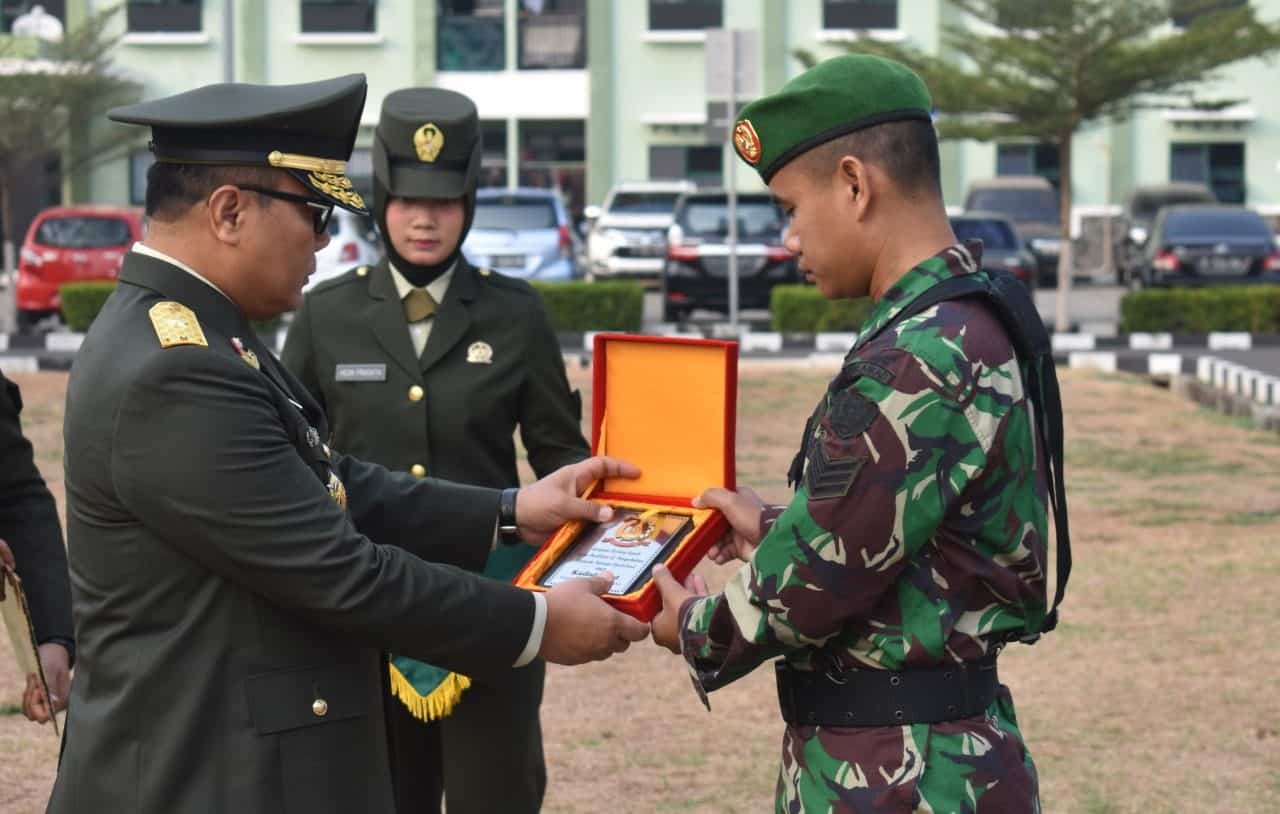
320, 707
362, 271
416, 393
419, 471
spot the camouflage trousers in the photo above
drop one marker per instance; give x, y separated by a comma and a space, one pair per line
973, 766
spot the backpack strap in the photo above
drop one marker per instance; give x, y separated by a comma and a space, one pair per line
1021, 320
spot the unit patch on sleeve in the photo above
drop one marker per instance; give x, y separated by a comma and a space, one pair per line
851, 414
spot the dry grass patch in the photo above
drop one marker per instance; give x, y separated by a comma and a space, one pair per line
1156, 694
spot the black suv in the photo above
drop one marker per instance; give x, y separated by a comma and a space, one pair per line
696, 273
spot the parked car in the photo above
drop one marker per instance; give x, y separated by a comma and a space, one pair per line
1002, 249
1206, 245
70, 244
523, 233
353, 241
696, 271
628, 234
1033, 205
1139, 213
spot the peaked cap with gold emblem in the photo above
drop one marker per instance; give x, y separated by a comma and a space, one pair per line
427, 155
307, 130
831, 99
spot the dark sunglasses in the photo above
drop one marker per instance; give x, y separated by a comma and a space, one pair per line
321, 211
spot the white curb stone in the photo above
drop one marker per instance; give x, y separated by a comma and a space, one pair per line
1093, 360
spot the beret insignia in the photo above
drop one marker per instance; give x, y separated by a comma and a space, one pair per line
746, 142
428, 141
176, 324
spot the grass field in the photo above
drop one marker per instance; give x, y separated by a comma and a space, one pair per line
1158, 693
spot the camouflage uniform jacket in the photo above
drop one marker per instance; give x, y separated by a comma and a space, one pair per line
916, 538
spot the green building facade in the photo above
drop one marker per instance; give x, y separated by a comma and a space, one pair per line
581, 94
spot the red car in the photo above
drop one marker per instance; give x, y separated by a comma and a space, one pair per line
71, 244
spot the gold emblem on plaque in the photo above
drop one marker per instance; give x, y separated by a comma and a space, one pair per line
746, 142
428, 141
176, 324
480, 353
338, 187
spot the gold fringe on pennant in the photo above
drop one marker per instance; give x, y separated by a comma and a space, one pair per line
436, 704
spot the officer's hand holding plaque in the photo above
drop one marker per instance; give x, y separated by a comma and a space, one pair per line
680, 435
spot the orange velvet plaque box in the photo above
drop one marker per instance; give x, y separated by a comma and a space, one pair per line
669, 406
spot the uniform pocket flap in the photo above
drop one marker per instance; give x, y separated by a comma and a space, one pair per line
291, 699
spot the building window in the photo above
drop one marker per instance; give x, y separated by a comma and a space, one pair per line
1185, 12
1029, 159
493, 153
139, 162
701, 164
553, 34
11, 10
685, 15
859, 14
338, 16
1218, 166
470, 35
553, 155
163, 15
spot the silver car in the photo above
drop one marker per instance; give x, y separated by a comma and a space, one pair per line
628, 236
523, 232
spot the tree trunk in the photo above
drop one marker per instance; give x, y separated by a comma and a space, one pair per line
1062, 313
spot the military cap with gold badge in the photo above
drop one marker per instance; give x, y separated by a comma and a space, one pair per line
833, 98
307, 130
427, 145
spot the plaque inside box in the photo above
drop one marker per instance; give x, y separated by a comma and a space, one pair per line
628, 546
681, 437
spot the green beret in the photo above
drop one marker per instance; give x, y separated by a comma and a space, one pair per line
827, 101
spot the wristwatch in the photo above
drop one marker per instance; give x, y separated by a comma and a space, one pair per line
508, 531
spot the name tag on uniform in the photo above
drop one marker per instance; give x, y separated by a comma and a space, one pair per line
361, 373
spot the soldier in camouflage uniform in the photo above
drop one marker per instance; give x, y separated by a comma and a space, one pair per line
915, 545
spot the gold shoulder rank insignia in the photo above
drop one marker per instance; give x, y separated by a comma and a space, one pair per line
176, 324
480, 353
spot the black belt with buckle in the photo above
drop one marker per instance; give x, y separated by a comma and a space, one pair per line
886, 698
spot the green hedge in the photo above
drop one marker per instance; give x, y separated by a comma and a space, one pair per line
612, 306
1252, 308
803, 309
572, 306
81, 303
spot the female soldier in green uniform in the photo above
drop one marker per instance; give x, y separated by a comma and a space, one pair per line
425, 363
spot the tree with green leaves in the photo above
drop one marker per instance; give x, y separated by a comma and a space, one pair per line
51, 94
1042, 69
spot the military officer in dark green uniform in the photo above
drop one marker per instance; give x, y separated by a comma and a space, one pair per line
424, 363
235, 579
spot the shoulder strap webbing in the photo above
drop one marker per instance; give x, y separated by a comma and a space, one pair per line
1018, 315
